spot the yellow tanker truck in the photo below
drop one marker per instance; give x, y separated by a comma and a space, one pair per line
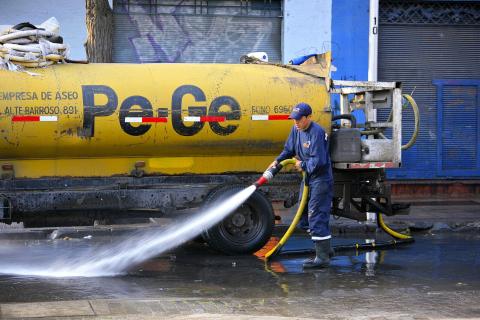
83, 141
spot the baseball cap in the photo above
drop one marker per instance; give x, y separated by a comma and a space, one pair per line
300, 110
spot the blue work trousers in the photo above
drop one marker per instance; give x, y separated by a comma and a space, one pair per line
316, 214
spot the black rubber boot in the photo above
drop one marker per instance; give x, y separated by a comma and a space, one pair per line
322, 255
331, 253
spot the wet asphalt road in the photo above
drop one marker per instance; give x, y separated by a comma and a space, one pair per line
442, 263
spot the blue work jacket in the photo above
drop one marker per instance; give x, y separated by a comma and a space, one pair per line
311, 146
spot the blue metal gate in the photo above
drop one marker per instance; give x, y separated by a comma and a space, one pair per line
458, 127
433, 47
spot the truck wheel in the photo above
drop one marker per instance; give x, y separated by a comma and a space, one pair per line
247, 229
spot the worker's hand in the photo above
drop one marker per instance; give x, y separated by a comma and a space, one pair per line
273, 164
298, 165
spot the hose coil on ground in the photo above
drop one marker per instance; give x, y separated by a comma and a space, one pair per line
393, 233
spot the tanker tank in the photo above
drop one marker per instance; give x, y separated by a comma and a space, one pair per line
102, 119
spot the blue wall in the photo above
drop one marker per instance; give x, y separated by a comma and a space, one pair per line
350, 39
350, 20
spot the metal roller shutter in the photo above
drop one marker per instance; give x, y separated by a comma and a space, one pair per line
433, 48
195, 31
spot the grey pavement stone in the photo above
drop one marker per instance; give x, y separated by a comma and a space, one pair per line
440, 226
354, 304
46, 309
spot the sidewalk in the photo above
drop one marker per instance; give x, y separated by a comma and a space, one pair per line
435, 215
327, 305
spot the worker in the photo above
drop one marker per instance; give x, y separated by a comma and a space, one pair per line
308, 143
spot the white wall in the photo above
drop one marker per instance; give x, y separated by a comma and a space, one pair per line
307, 27
69, 13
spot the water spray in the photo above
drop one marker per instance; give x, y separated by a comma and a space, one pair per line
116, 258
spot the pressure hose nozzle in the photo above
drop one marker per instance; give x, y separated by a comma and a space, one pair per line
268, 175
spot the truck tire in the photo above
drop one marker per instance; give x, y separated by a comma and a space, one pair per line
247, 229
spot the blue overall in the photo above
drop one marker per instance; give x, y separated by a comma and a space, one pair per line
311, 147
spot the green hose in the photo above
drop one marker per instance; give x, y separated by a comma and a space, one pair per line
297, 217
416, 113
393, 233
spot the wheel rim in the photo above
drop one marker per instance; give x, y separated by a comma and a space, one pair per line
244, 225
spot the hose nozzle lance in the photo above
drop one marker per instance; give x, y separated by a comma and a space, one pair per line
271, 172
268, 175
